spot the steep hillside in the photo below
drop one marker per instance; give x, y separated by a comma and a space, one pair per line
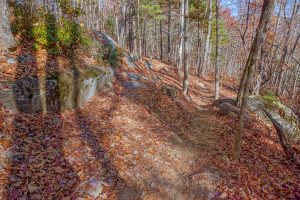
141, 139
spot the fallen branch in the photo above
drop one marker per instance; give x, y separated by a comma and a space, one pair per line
284, 142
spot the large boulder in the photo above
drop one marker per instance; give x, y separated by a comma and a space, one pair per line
107, 41
281, 113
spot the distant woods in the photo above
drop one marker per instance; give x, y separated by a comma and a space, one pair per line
216, 35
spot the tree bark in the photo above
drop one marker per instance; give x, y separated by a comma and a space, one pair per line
185, 48
207, 42
161, 39
265, 18
169, 30
279, 84
181, 40
217, 67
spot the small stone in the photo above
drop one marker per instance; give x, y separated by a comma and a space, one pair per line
137, 175
95, 187
106, 156
11, 61
210, 195
225, 158
23, 59
133, 85
135, 152
152, 184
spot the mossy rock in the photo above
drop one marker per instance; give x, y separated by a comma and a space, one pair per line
57, 92
281, 113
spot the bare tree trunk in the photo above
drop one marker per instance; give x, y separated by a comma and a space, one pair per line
169, 30
123, 24
217, 67
207, 42
199, 49
6, 37
185, 48
285, 50
256, 89
161, 40
181, 38
265, 19
296, 82
138, 32
244, 75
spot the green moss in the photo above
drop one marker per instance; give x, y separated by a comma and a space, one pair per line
270, 97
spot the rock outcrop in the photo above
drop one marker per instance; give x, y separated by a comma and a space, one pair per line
283, 115
67, 90
110, 43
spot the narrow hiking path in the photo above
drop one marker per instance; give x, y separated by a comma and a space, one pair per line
153, 140
137, 142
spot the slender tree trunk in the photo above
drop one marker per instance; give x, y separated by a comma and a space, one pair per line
181, 38
123, 24
285, 50
265, 18
185, 48
199, 49
207, 42
138, 32
296, 82
169, 30
217, 67
161, 39
256, 89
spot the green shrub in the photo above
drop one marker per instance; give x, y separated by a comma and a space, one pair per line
57, 36
113, 55
71, 34
60, 37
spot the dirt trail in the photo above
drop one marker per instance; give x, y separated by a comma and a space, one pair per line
136, 142
155, 142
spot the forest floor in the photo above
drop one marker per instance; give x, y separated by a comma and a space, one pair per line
136, 142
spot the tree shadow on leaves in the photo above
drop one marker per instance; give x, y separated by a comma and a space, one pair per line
38, 167
104, 169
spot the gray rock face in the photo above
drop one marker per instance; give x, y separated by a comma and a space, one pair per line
281, 113
134, 76
109, 42
133, 85
148, 64
67, 90
6, 37
218, 102
229, 109
26, 59
106, 39
128, 60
